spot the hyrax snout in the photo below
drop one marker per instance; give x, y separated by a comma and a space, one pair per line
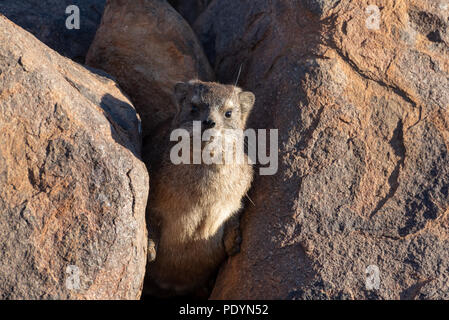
192, 205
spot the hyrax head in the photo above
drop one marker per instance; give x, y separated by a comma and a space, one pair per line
217, 106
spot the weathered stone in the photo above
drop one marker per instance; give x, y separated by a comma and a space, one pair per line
363, 135
148, 47
72, 188
46, 19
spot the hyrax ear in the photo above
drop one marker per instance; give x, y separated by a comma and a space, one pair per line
247, 100
181, 90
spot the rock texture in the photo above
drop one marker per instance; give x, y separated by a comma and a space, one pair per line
148, 47
46, 19
72, 188
363, 127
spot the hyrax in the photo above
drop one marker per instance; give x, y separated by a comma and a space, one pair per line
191, 205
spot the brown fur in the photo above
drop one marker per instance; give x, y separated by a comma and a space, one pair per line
190, 204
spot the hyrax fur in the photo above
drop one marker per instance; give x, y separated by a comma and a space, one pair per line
192, 205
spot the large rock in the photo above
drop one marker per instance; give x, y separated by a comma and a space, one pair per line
363, 146
148, 47
46, 19
72, 188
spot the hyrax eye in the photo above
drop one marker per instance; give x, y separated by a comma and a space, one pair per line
228, 114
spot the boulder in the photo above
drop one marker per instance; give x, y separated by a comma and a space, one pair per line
73, 189
148, 47
359, 208
46, 19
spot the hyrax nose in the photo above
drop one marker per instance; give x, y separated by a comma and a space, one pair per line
209, 123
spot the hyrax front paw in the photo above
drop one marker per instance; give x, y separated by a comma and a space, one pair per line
151, 252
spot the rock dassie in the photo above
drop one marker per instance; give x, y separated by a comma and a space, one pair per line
192, 205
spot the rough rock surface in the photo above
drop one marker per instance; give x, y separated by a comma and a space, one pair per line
72, 188
46, 19
148, 47
363, 146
